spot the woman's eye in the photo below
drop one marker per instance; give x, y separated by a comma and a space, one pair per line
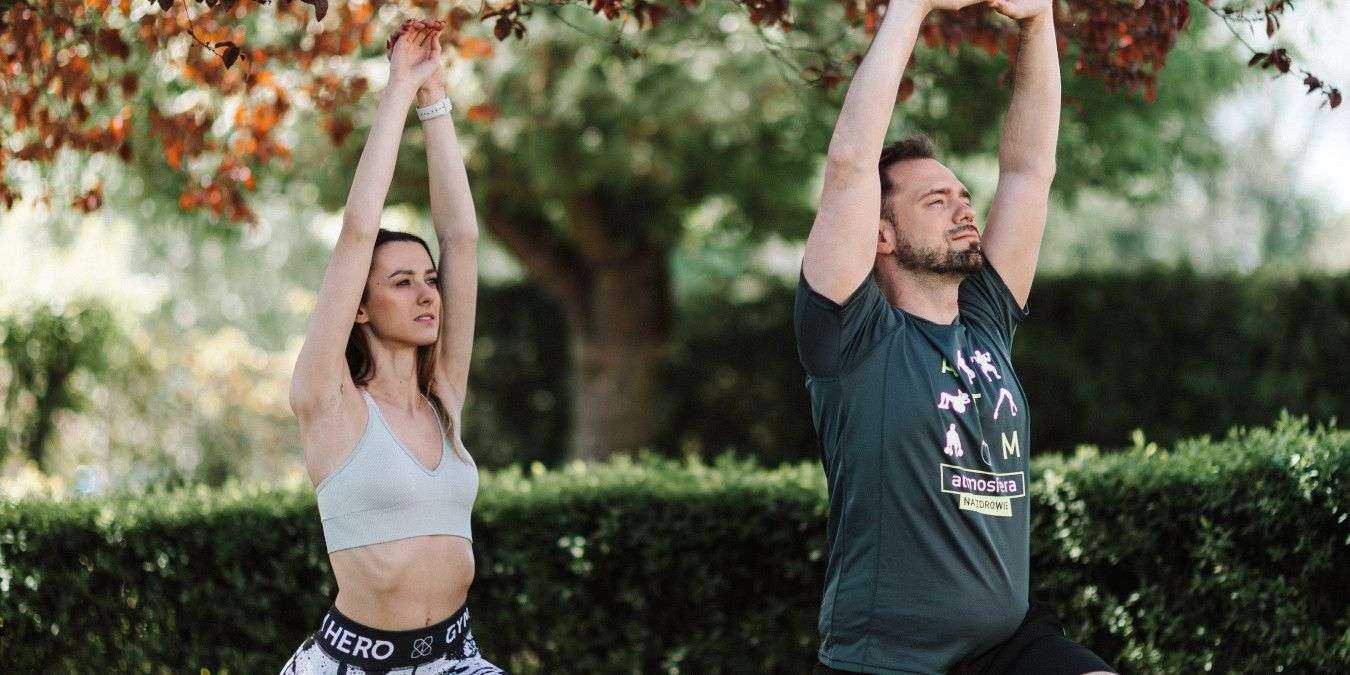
433, 281
405, 282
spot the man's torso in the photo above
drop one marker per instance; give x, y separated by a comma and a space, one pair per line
924, 439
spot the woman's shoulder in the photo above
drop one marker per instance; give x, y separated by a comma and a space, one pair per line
328, 435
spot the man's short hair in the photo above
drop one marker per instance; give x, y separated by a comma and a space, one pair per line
918, 146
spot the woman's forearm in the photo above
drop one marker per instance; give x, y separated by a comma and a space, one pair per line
375, 170
452, 211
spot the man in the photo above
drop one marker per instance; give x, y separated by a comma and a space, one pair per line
904, 316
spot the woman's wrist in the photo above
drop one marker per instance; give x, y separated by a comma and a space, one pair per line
428, 95
401, 90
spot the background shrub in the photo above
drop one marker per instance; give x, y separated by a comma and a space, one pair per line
1103, 354
1226, 557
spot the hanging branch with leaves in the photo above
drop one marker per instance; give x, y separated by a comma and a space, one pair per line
74, 71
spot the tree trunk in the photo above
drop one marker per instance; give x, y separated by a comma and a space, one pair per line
618, 349
53, 398
614, 289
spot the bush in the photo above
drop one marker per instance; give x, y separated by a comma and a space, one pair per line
1223, 557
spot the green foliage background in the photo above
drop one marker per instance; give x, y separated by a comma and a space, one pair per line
1170, 351
1102, 354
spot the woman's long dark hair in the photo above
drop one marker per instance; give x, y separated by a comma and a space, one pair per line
362, 365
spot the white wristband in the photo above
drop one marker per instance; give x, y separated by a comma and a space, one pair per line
441, 107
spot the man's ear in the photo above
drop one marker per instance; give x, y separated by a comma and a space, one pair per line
886, 237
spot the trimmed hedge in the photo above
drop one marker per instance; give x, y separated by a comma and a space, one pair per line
1230, 556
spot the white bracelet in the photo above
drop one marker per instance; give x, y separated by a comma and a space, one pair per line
441, 107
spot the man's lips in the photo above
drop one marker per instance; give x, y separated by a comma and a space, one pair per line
970, 233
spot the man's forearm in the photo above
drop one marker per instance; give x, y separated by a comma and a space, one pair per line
1032, 126
870, 101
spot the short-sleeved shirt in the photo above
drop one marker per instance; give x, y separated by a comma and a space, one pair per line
924, 437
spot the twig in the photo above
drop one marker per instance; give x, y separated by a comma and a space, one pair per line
1310, 80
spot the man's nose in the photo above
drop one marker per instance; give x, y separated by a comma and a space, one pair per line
965, 214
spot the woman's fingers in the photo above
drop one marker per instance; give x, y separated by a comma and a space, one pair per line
421, 30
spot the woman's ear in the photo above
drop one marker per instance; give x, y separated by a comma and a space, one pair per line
361, 316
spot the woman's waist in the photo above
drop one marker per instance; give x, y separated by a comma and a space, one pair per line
377, 650
406, 583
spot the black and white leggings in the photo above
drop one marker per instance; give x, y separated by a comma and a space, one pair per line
343, 647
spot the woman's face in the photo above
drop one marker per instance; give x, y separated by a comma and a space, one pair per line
403, 303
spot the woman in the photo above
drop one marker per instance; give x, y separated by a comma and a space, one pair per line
378, 390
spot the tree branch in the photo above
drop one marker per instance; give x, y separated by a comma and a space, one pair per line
1278, 58
550, 260
588, 230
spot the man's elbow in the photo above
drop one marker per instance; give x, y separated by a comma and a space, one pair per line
1033, 173
848, 162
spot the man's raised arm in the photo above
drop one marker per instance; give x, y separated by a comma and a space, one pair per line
1026, 154
842, 245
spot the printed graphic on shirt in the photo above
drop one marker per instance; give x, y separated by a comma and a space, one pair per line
965, 369
953, 448
947, 368
1010, 447
983, 492
984, 454
1002, 395
956, 402
985, 361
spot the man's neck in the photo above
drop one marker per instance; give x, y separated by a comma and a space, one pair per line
929, 296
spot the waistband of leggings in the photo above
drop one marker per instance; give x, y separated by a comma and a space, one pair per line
371, 648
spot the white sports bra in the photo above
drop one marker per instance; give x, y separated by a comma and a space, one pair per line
382, 493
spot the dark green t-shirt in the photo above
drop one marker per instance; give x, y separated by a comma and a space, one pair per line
924, 436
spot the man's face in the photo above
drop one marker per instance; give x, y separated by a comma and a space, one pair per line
928, 222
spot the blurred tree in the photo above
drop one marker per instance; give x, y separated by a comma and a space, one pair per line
589, 165
592, 145
73, 69
43, 354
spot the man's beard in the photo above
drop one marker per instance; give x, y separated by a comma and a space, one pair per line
941, 262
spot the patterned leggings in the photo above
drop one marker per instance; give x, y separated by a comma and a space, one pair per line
311, 659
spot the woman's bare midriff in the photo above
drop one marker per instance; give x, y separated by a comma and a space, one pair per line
403, 584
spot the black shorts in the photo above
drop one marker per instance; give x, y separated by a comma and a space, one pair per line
1038, 647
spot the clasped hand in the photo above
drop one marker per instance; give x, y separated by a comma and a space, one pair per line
414, 52
1013, 9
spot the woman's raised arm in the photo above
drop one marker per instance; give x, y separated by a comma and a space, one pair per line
456, 223
321, 375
